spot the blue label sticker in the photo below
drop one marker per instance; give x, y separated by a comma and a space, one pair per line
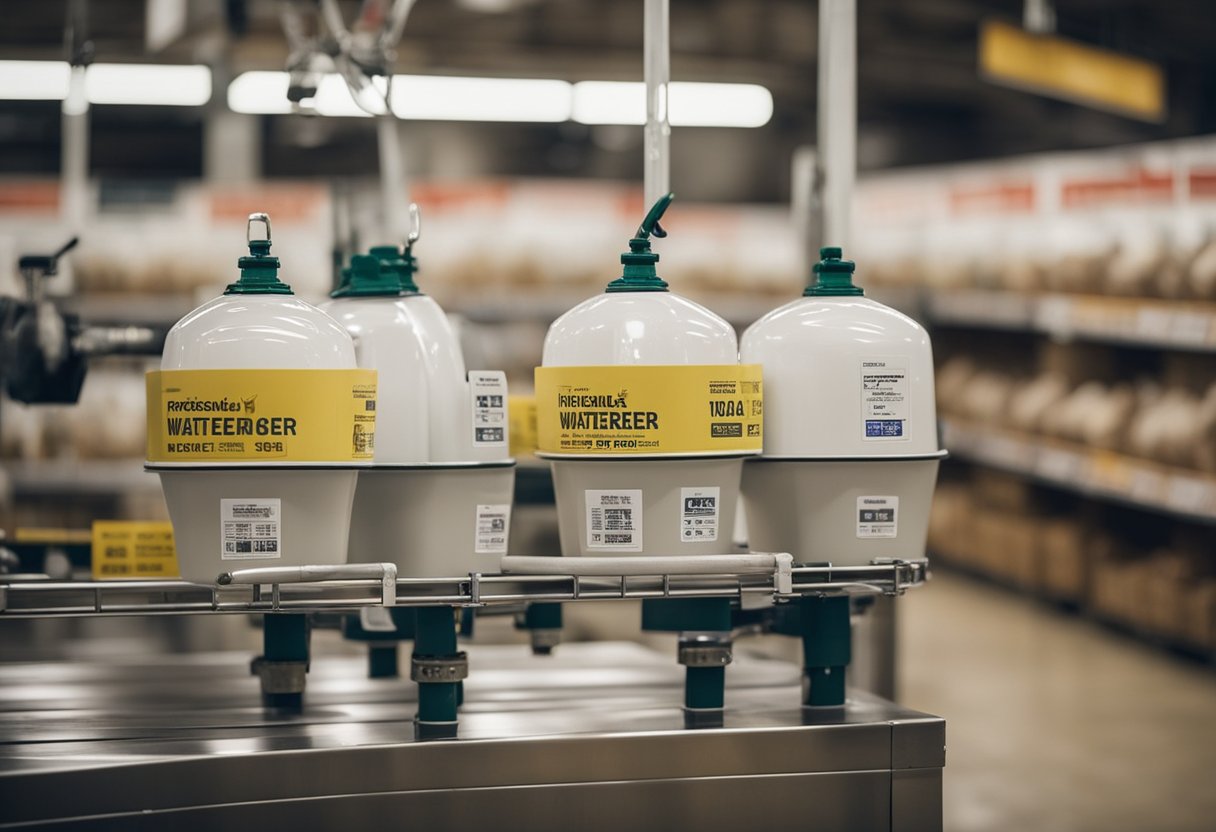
884, 427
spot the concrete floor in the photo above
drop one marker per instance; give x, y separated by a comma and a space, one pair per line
1053, 723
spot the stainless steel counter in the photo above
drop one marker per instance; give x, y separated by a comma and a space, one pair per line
591, 738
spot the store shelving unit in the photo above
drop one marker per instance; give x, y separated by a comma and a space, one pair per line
1145, 322
1188, 494
85, 477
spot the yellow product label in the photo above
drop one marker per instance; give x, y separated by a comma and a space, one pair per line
521, 412
626, 410
51, 537
261, 415
130, 549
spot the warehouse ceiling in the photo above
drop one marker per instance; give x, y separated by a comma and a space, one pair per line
920, 97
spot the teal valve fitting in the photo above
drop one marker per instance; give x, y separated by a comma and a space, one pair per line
283, 665
260, 269
832, 276
438, 668
826, 649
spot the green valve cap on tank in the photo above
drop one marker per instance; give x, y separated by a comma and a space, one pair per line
259, 270
833, 277
392, 274
400, 261
368, 279
639, 274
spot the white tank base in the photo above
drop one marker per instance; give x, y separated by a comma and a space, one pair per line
428, 520
812, 508
312, 529
664, 485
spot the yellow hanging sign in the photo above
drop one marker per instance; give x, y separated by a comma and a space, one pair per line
683, 410
125, 549
1072, 71
309, 416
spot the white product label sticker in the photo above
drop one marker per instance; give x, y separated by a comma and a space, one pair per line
884, 398
614, 520
699, 514
488, 396
376, 620
877, 516
251, 528
493, 528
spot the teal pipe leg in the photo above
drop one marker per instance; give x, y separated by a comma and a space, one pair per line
438, 668
704, 625
283, 665
826, 649
383, 661
544, 625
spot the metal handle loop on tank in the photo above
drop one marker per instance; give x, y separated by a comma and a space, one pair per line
259, 217
415, 226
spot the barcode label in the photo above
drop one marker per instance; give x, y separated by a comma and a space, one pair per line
614, 520
699, 514
488, 397
877, 516
251, 528
493, 526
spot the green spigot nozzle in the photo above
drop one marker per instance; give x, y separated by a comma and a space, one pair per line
639, 274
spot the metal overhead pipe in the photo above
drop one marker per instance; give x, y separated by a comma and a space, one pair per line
837, 117
367, 51
74, 156
657, 71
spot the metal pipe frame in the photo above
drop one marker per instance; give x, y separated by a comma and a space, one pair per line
30, 597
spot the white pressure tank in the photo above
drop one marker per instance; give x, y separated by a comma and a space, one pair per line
258, 421
850, 430
646, 416
437, 500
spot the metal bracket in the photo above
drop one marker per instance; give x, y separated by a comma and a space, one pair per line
705, 651
275, 575
279, 677
444, 669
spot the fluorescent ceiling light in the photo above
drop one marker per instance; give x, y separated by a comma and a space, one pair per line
609, 102
720, 105
182, 86
34, 80
265, 93
259, 93
438, 98
691, 104
185, 86
447, 98
418, 97
334, 98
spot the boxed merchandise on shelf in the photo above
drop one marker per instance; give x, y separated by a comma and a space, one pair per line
1066, 566
1007, 530
1133, 222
